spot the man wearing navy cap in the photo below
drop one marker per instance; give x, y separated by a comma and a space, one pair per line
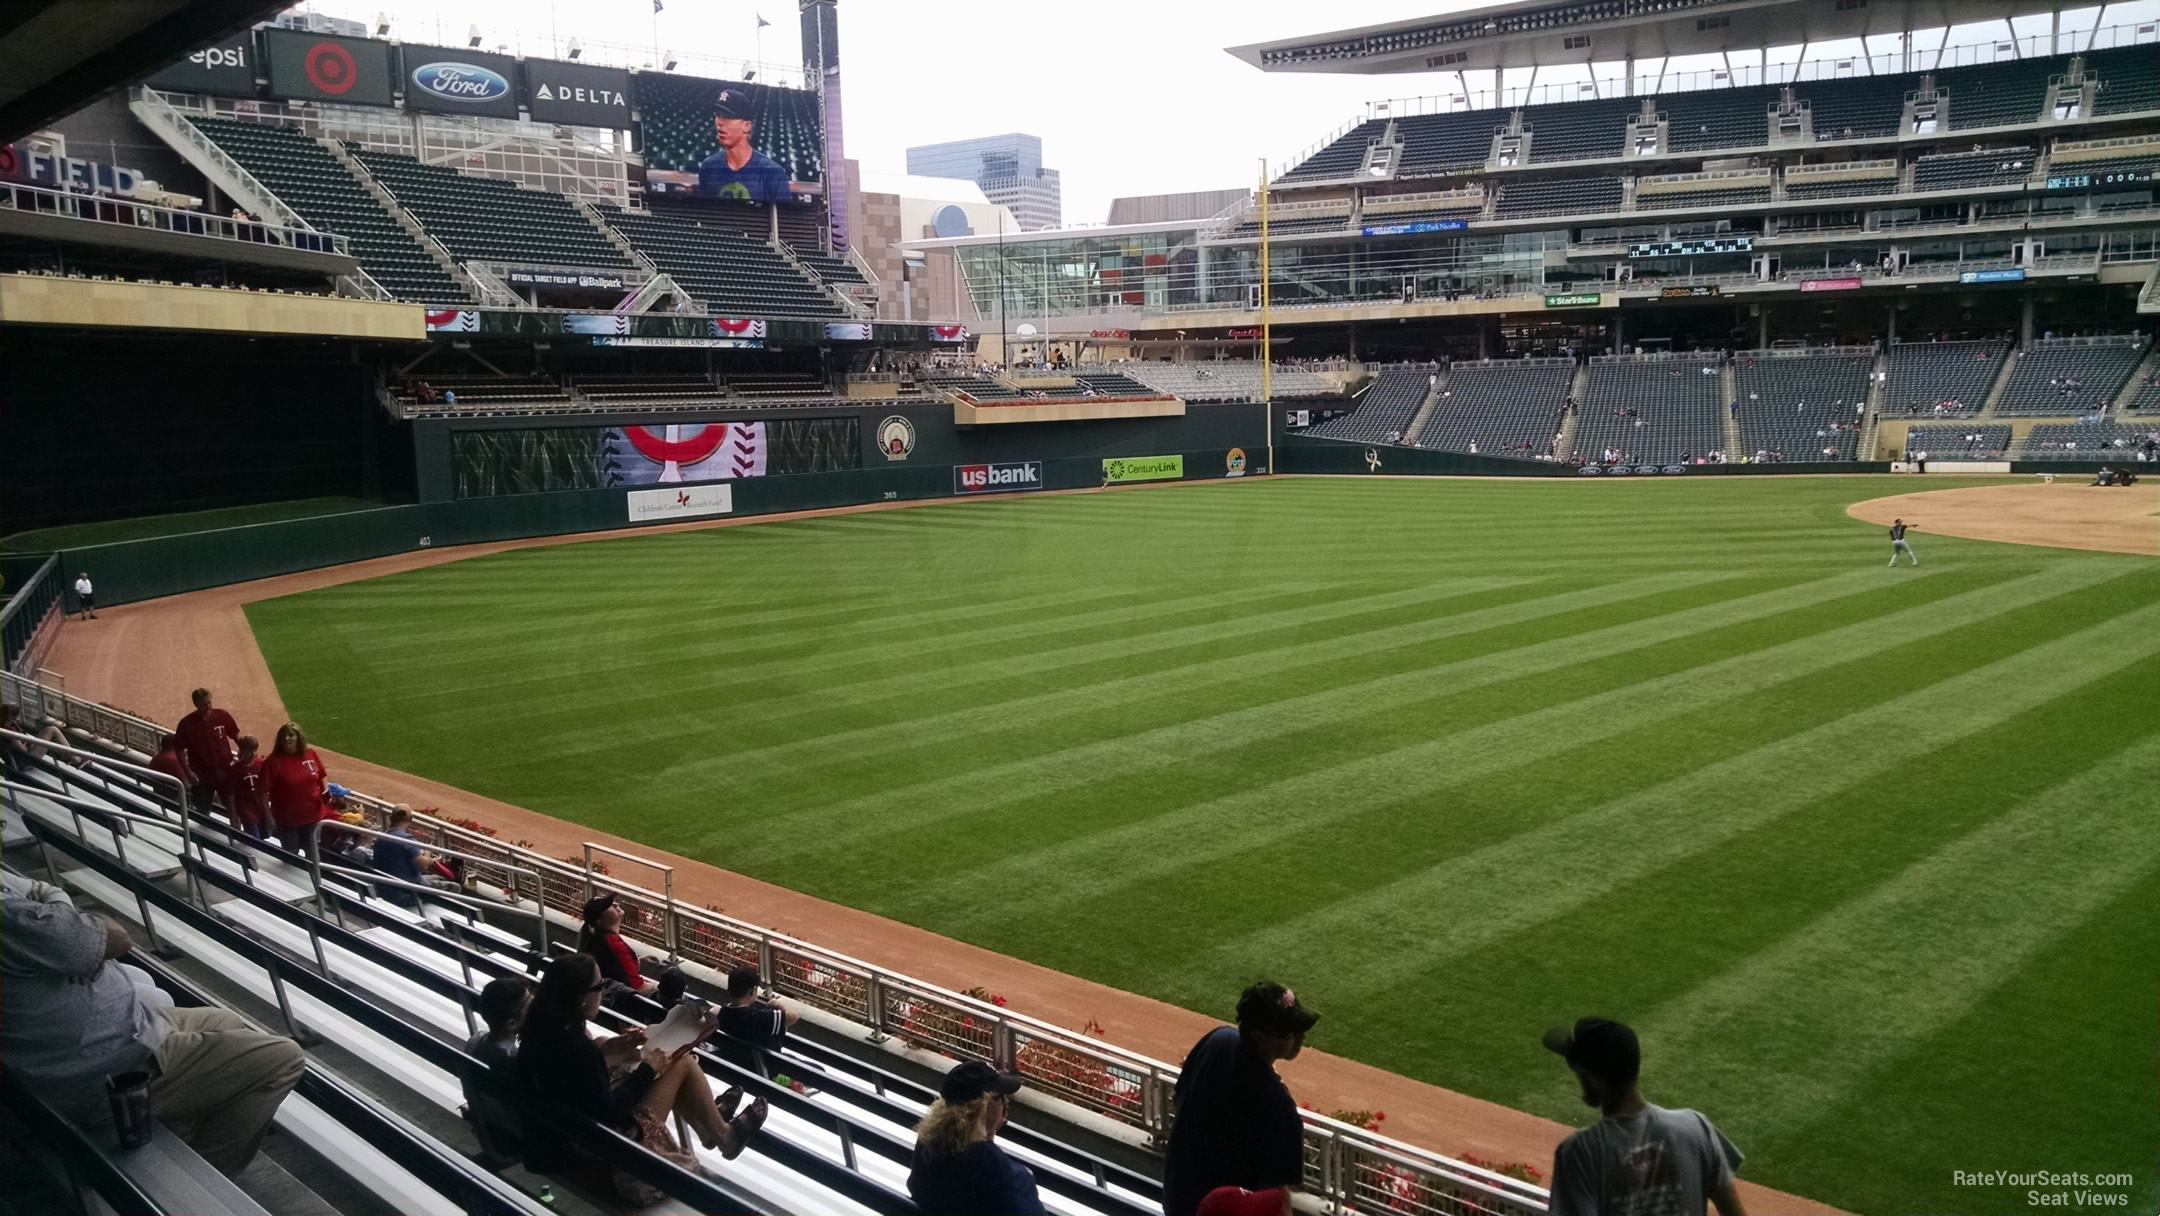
1639, 1157
738, 171
1236, 1124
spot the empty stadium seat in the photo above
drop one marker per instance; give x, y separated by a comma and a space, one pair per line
1727, 196
484, 219
1341, 157
1970, 442
2146, 399
1926, 375
1867, 107
1801, 404
315, 184
2068, 379
1998, 94
1384, 410
727, 272
1676, 408
827, 267
1840, 187
1966, 170
1553, 196
2119, 441
1498, 406
1579, 130
2129, 79
1227, 380
1717, 118
1447, 143
1115, 384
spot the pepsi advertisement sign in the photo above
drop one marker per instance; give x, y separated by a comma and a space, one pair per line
438, 80
226, 69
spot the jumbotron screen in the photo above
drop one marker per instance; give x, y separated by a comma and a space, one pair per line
730, 140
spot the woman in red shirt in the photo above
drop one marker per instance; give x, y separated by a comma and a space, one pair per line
601, 938
295, 786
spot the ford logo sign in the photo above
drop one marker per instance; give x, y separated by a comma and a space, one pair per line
1648, 468
460, 82
1676, 468
1589, 470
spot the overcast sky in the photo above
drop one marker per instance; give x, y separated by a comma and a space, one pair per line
1129, 96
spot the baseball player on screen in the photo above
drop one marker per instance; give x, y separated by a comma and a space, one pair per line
739, 171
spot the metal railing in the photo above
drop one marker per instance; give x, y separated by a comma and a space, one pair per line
153, 104
1125, 1087
127, 213
32, 609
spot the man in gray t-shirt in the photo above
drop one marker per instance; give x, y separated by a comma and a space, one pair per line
1639, 1160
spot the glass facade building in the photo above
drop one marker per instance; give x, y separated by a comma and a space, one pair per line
1009, 169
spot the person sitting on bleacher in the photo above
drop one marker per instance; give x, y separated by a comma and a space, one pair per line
557, 1060
72, 1014
399, 856
761, 1025
296, 785
495, 1121
244, 796
601, 938
958, 1169
19, 752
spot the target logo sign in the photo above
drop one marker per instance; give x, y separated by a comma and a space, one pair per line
330, 67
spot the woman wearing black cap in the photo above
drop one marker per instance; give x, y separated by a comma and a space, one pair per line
601, 938
959, 1168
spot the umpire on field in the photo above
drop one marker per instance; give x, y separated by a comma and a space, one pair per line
1236, 1124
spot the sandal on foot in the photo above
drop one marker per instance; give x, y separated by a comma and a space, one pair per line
746, 1126
729, 1101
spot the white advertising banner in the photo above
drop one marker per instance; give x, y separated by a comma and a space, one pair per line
681, 502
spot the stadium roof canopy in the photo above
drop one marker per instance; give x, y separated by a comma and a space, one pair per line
1546, 33
61, 53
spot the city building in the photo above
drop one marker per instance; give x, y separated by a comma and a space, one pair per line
1009, 169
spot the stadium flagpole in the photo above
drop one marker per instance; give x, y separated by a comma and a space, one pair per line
1267, 351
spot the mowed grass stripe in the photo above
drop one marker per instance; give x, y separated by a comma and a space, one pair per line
893, 807
993, 683
1931, 939
1424, 790
842, 642
1419, 920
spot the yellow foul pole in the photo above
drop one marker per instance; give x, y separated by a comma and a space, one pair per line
1267, 349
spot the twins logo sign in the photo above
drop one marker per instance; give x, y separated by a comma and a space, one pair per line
997, 478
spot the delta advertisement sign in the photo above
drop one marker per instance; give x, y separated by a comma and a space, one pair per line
997, 478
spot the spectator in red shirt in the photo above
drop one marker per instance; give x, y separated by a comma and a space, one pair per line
206, 739
601, 939
171, 762
244, 794
295, 785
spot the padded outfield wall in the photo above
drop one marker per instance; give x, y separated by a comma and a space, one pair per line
939, 460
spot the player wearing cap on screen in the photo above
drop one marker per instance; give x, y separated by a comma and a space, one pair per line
738, 171
1236, 1124
1639, 1157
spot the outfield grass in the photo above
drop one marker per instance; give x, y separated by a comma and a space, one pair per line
1870, 857
105, 532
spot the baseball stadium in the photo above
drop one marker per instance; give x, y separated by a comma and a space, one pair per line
521, 557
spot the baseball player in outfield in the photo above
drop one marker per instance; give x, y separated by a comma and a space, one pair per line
1898, 545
